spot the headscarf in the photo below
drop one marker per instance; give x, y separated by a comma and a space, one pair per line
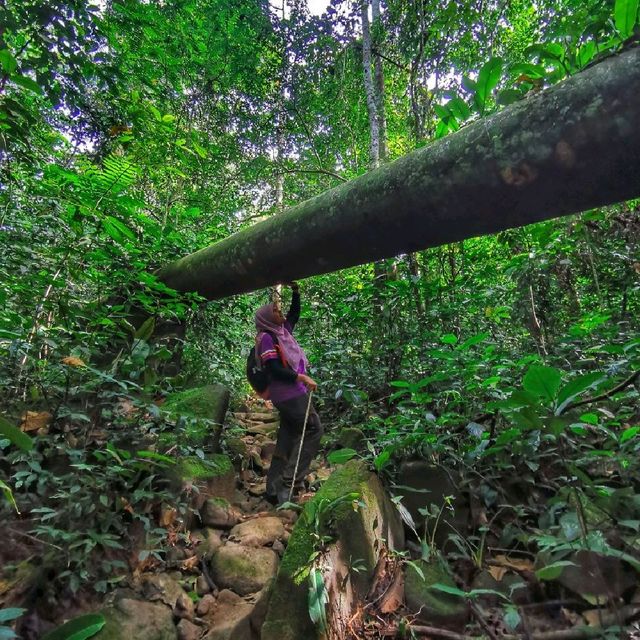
292, 351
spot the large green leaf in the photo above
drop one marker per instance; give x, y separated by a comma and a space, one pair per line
78, 629
488, 79
625, 15
8, 494
543, 382
575, 387
318, 598
341, 456
17, 437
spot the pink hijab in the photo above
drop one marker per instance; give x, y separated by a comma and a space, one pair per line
292, 351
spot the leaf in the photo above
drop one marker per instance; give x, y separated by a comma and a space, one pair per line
341, 456
511, 618
8, 494
488, 79
625, 13
445, 588
146, 329
15, 435
27, 83
575, 387
554, 570
318, 599
7, 61
78, 629
12, 613
73, 361
449, 338
473, 340
629, 433
381, 460
543, 382
117, 230
509, 96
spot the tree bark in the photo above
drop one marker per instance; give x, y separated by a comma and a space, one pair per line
573, 147
369, 88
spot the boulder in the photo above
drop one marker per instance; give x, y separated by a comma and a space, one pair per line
162, 587
243, 569
206, 406
359, 535
352, 438
429, 605
188, 631
219, 514
129, 618
230, 619
260, 603
213, 477
208, 540
424, 484
258, 532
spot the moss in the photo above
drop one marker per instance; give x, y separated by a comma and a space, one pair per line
214, 466
351, 438
433, 605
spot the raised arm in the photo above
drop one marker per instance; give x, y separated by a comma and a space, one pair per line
294, 311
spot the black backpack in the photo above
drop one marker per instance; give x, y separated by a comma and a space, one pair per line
257, 375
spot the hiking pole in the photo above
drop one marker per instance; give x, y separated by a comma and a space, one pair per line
304, 428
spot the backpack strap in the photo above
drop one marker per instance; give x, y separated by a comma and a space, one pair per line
276, 346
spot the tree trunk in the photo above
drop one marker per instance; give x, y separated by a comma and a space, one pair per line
369, 89
378, 73
573, 147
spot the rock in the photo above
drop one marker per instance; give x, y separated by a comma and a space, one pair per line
258, 490
597, 578
288, 516
351, 438
434, 484
175, 555
358, 535
431, 606
206, 605
184, 607
209, 402
163, 587
131, 619
231, 618
258, 532
278, 547
202, 586
266, 452
208, 541
214, 477
236, 447
243, 569
188, 631
219, 514
259, 428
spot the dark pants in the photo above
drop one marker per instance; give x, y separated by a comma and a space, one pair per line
283, 464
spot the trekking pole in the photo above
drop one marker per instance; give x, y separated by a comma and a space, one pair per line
304, 428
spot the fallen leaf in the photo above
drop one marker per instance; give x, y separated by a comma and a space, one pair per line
519, 564
394, 596
593, 617
73, 361
497, 572
34, 420
168, 516
190, 564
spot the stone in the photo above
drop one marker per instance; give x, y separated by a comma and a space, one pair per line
266, 452
219, 514
131, 619
433, 484
208, 540
351, 438
258, 490
188, 631
184, 607
206, 605
431, 606
360, 534
258, 532
278, 547
202, 586
213, 477
243, 569
236, 447
209, 402
163, 587
231, 619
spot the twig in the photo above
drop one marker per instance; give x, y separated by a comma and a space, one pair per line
26, 535
603, 396
477, 614
429, 631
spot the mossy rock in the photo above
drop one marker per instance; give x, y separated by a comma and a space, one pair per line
358, 535
214, 476
130, 618
205, 406
430, 605
352, 438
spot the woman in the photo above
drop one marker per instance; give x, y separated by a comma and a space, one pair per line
289, 388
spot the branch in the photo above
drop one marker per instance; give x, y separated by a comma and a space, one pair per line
399, 65
325, 172
603, 396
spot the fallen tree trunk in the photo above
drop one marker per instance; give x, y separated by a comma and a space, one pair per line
573, 147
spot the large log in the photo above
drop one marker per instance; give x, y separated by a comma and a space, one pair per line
572, 147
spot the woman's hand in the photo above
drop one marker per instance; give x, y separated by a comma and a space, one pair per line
293, 285
308, 382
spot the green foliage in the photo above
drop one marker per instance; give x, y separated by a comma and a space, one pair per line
78, 629
7, 615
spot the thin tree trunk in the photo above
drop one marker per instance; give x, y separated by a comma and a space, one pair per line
522, 165
379, 82
374, 130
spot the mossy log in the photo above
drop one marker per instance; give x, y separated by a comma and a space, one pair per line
572, 147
